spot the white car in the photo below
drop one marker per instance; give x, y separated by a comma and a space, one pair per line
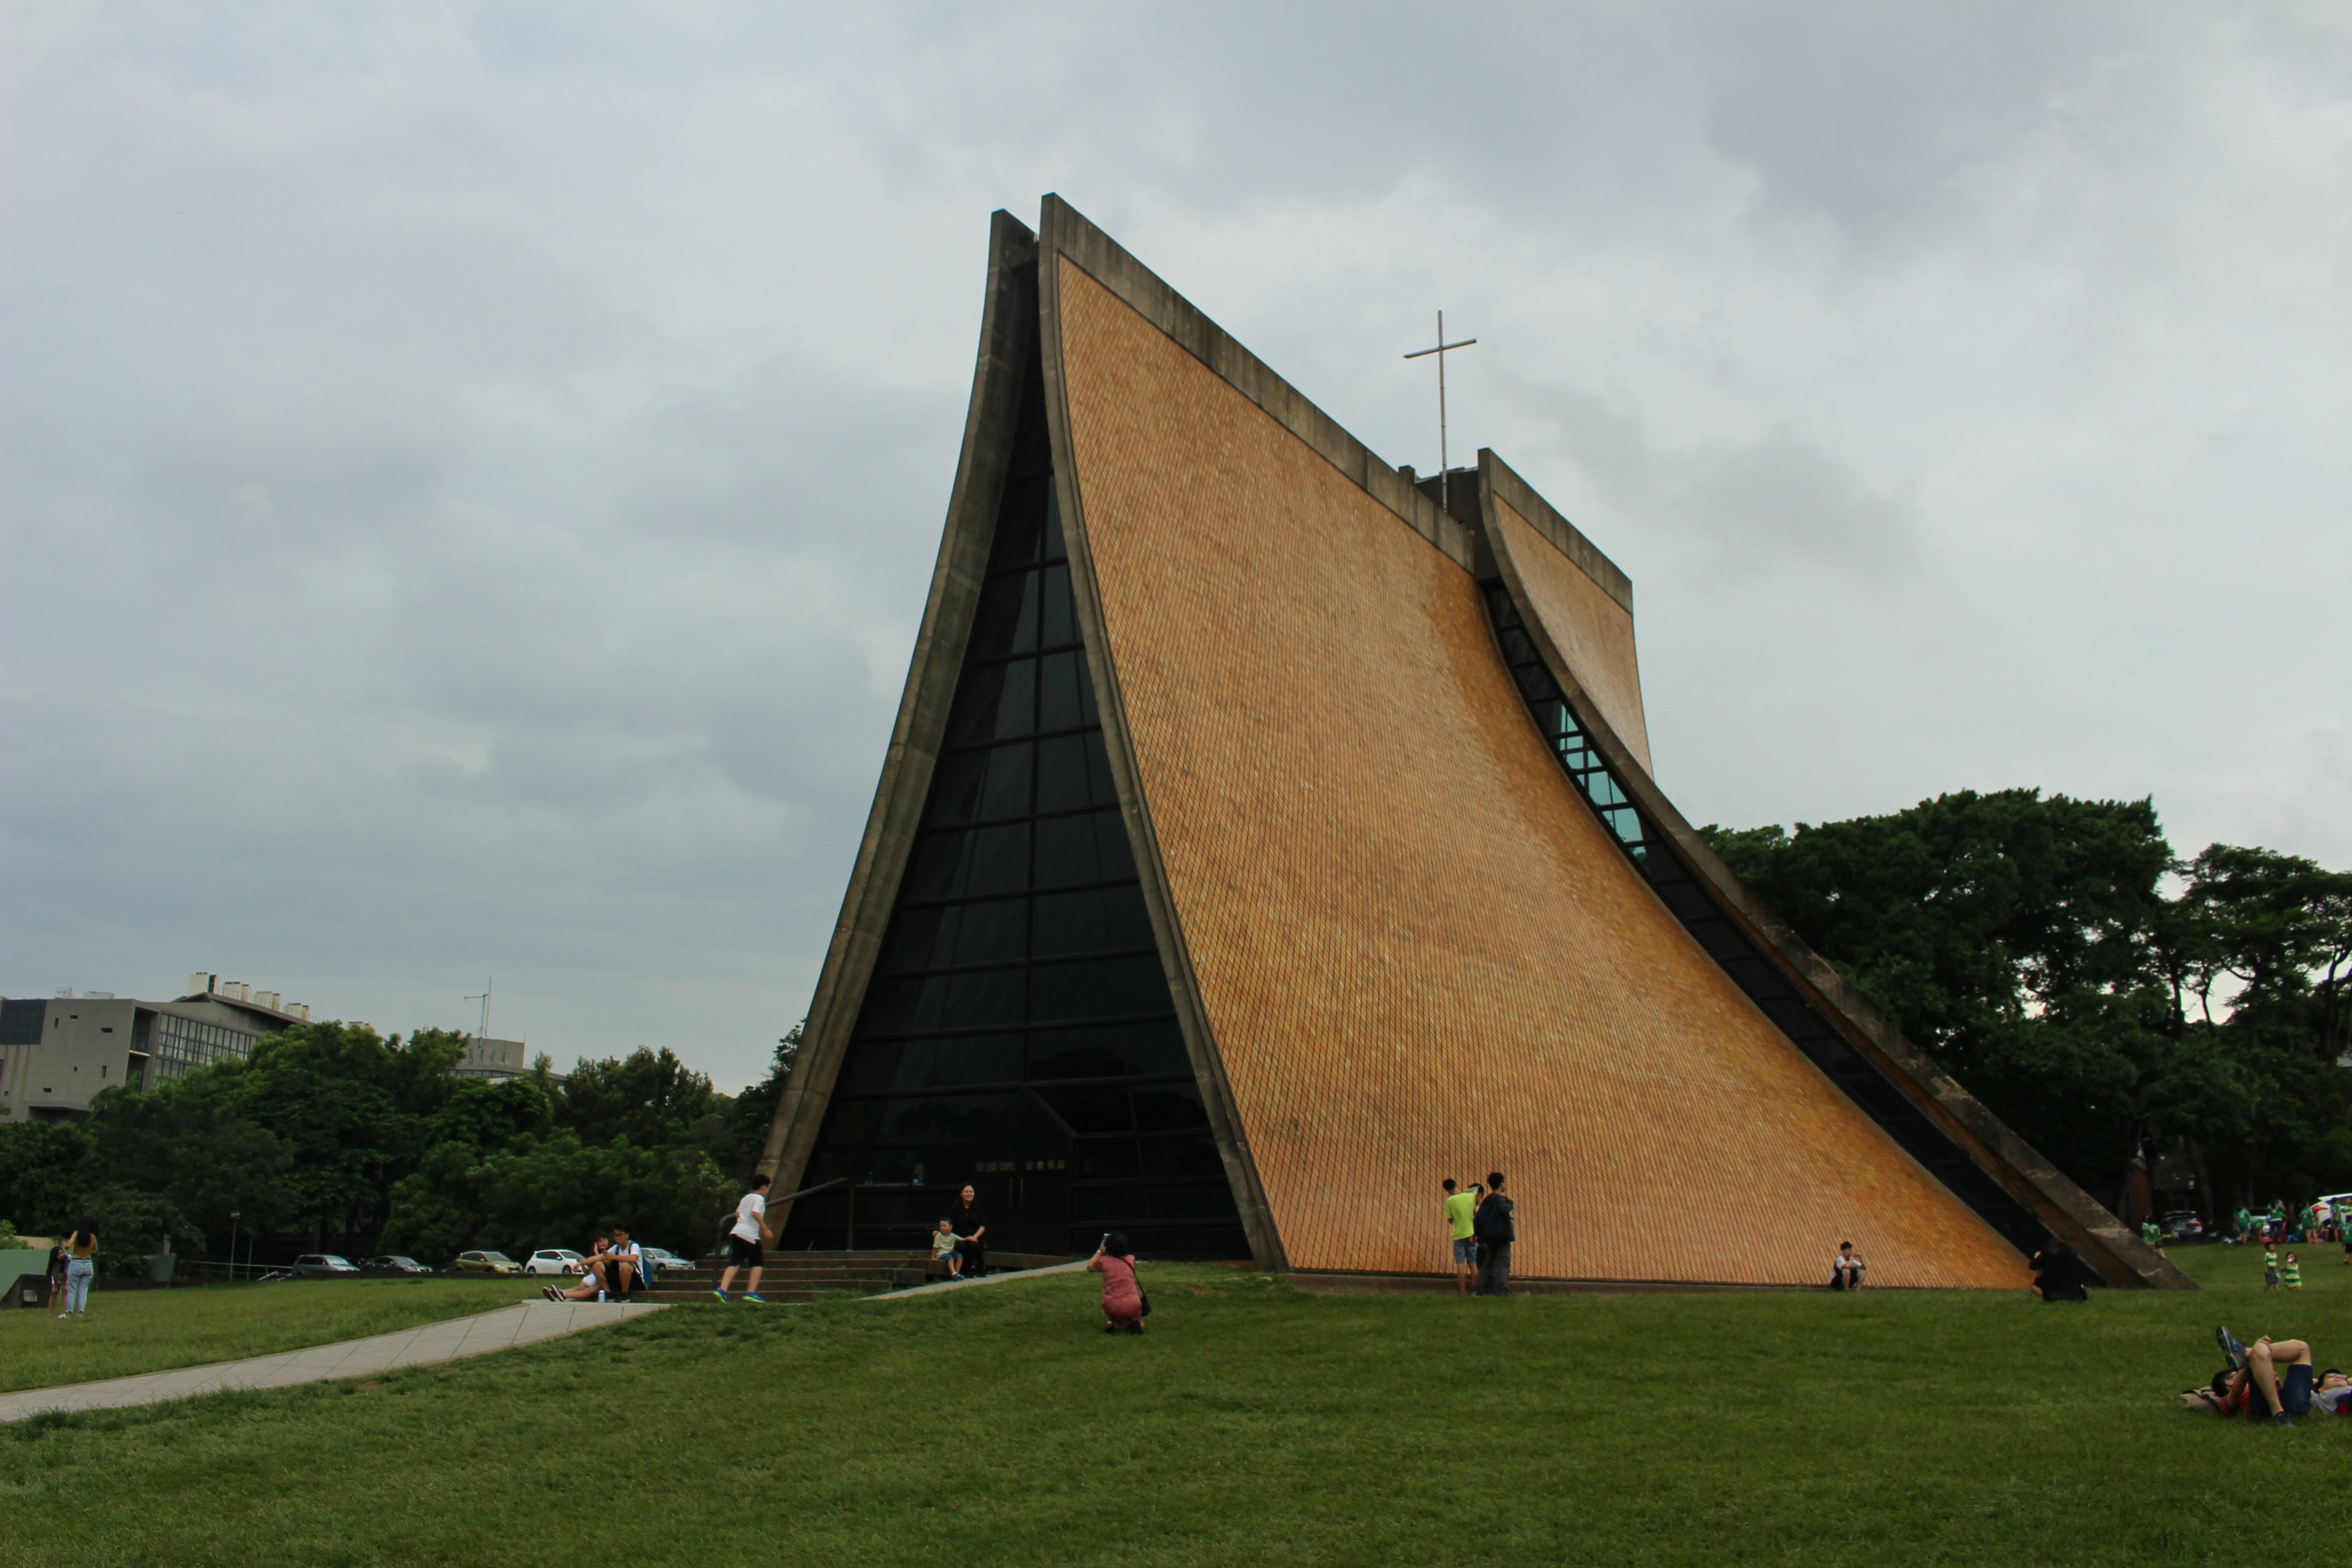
554, 1260
662, 1260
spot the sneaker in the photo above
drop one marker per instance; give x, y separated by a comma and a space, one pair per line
2282, 1419
2231, 1349
63, 1316
720, 1296
755, 1295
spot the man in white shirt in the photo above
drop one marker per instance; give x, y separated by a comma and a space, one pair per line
744, 1241
1845, 1269
624, 1265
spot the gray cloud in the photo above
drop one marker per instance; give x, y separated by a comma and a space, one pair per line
468, 475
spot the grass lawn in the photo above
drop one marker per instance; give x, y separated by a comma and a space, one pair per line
131, 1331
1252, 1424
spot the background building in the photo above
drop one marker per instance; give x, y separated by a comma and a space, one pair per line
59, 1053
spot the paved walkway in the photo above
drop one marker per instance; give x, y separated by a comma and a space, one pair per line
522, 1324
983, 1283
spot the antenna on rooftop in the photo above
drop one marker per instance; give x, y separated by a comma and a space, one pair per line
1440, 351
483, 997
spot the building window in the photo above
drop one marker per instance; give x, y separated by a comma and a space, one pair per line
1017, 1032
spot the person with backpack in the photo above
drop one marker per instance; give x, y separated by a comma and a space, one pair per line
1496, 1233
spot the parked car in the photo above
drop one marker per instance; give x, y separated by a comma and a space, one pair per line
485, 1263
2182, 1225
554, 1260
662, 1260
392, 1263
323, 1266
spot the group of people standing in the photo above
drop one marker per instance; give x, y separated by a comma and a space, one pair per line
1479, 1219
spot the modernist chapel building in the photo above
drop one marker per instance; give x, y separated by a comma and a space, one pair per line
1261, 840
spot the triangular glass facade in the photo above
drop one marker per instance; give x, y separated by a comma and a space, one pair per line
1017, 1032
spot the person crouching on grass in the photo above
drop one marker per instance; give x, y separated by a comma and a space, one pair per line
943, 1248
1122, 1301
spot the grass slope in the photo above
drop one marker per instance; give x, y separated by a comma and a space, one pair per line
1252, 1424
132, 1332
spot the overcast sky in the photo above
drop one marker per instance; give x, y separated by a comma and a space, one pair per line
468, 476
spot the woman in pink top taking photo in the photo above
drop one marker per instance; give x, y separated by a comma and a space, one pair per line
1122, 1302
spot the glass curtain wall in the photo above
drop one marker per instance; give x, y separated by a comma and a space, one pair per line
1018, 1033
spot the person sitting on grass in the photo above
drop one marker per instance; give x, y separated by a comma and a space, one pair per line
1846, 1268
1123, 1300
624, 1265
592, 1283
943, 1248
2061, 1274
2252, 1385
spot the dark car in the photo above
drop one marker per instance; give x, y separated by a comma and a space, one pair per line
324, 1265
2181, 1224
392, 1263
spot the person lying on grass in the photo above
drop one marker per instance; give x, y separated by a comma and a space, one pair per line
2253, 1386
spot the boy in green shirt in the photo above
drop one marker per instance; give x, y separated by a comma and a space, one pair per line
1461, 1218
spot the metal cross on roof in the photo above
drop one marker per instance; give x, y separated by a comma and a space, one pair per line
1440, 351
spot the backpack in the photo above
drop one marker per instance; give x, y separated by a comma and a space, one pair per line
1493, 1225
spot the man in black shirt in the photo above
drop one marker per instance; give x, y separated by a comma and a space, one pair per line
1495, 1234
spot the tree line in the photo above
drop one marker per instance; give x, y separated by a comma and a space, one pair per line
332, 1138
2114, 1003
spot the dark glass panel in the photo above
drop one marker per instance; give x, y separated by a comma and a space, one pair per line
994, 702
1089, 849
992, 931
1099, 989
1111, 1206
1066, 692
1061, 619
1056, 548
1099, 920
982, 997
1073, 770
981, 786
1108, 1050
1198, 1200
948, 1118
961, 933
1007, 618
1020, 525
1191, 1157
1100, 1159
1090, 1110
974, 860
1167, 1107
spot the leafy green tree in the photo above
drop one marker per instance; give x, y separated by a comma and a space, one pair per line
754, 1110
651, 1099
2028, 943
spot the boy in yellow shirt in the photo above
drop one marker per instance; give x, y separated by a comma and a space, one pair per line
1461, 1218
